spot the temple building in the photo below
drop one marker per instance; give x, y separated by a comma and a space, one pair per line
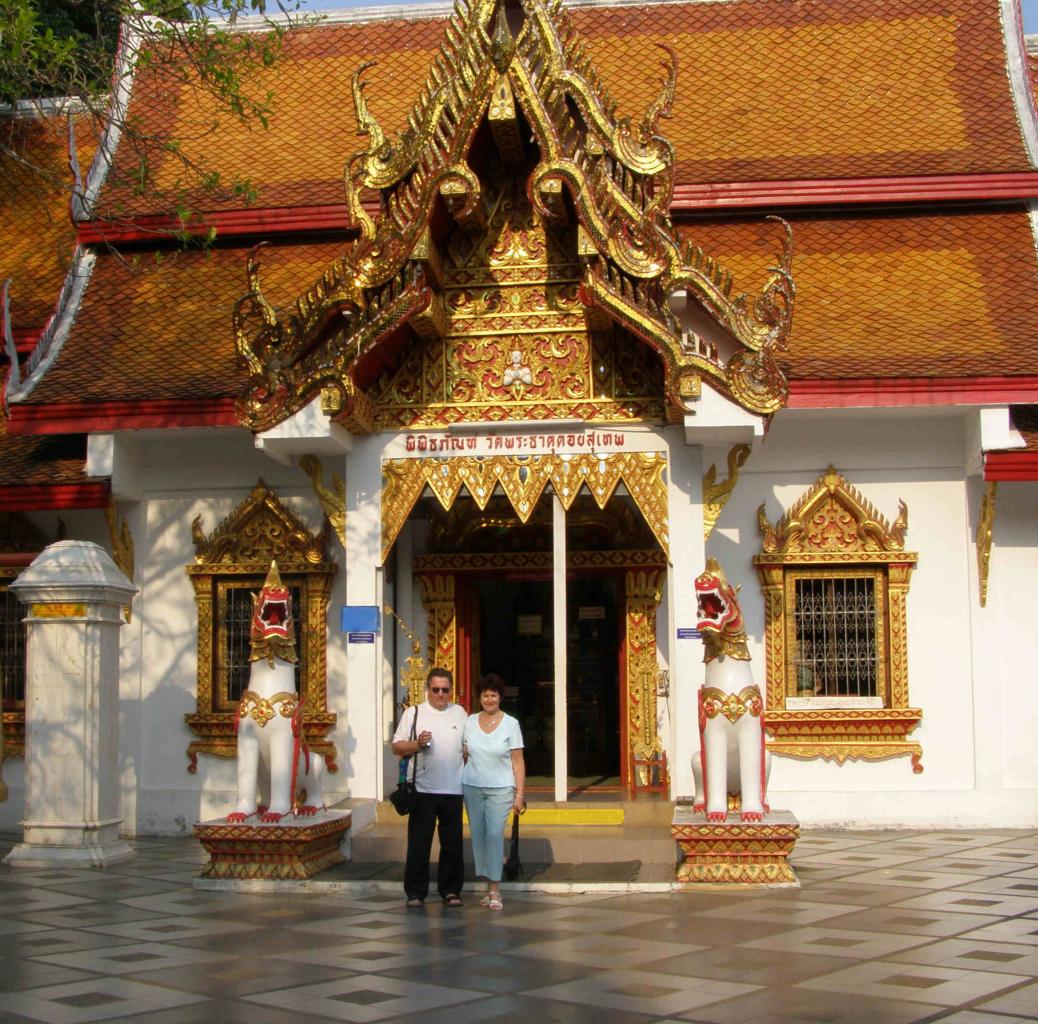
539, 306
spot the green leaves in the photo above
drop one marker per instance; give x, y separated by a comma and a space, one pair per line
68, 48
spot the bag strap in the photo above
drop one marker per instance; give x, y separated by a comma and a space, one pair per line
414, 757
515, 826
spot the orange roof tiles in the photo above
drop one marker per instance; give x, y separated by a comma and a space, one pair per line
898, 294
772, 90
160, 327
50, 459
36, 234
952, 294
767, 90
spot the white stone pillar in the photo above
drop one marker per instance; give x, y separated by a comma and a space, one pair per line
685, 501
561, 639
75, 595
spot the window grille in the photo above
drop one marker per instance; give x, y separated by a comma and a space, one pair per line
835, 624
12, 649
234, 603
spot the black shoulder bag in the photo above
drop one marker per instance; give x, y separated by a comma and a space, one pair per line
405, 797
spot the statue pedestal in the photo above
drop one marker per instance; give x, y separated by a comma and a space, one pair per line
735, 854
293, 848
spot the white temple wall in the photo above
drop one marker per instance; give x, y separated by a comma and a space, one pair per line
198, 473
917, 457
1006, 648
971, 670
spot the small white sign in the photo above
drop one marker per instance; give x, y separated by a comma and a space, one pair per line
831, 703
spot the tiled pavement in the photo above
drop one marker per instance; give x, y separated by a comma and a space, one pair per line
887, 927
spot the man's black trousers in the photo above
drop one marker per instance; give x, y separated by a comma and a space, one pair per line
443, 809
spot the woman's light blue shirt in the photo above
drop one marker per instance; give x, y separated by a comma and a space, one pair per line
490, 753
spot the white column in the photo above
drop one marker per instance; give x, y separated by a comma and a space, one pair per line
364, 706
75, 594
685, 502
559, 633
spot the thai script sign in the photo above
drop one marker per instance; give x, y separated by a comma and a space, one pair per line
579, 440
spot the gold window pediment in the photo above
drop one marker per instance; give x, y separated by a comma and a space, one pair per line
229, 563
835, 577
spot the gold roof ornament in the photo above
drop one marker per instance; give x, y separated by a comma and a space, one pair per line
525, 72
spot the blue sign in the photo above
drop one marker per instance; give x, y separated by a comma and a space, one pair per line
687, 633
360, 638
360, 618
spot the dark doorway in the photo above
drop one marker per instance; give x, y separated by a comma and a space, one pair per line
514, 637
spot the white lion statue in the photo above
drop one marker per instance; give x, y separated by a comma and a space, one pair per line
272, 755
731, 767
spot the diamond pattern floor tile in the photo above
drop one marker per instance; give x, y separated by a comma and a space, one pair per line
888, 928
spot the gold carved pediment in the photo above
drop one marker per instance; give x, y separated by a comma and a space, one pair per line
833, 519
258, 531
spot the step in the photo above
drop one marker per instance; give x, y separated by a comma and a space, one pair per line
551, 844
574, 813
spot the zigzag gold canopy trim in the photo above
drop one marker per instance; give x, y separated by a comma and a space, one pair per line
522, 478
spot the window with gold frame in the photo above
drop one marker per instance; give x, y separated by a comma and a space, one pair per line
230, 565
835, 577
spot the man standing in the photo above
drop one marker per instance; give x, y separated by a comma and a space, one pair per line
438, 727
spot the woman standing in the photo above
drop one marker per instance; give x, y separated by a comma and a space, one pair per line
493, 780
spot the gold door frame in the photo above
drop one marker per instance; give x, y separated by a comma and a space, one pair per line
644, 575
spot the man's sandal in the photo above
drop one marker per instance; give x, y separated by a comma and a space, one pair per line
452, 900
414, 903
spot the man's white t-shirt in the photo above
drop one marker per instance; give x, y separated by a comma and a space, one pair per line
439, 766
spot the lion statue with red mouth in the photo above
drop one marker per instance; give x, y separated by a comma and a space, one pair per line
731, 767
272, 754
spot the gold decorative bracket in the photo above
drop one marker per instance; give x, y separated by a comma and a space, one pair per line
332, 499
716, 495
416, 668
439, 601
122, 547
985, 532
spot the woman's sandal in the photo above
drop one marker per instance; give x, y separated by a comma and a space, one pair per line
452, 900
495, 902
485, 901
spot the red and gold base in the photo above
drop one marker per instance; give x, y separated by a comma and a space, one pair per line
294, 848
735, 853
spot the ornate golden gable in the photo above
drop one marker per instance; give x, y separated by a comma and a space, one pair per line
833, 521
832, 532
257, 532
236, 555
605, 179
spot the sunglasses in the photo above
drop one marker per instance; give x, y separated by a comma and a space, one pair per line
439, 689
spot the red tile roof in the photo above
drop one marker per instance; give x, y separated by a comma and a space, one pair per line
36, 234
949, 294
767, 90
47, 459
159, 326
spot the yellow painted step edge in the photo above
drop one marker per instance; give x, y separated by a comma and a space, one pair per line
565, 816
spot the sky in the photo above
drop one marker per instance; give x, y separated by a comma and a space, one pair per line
1030, 8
